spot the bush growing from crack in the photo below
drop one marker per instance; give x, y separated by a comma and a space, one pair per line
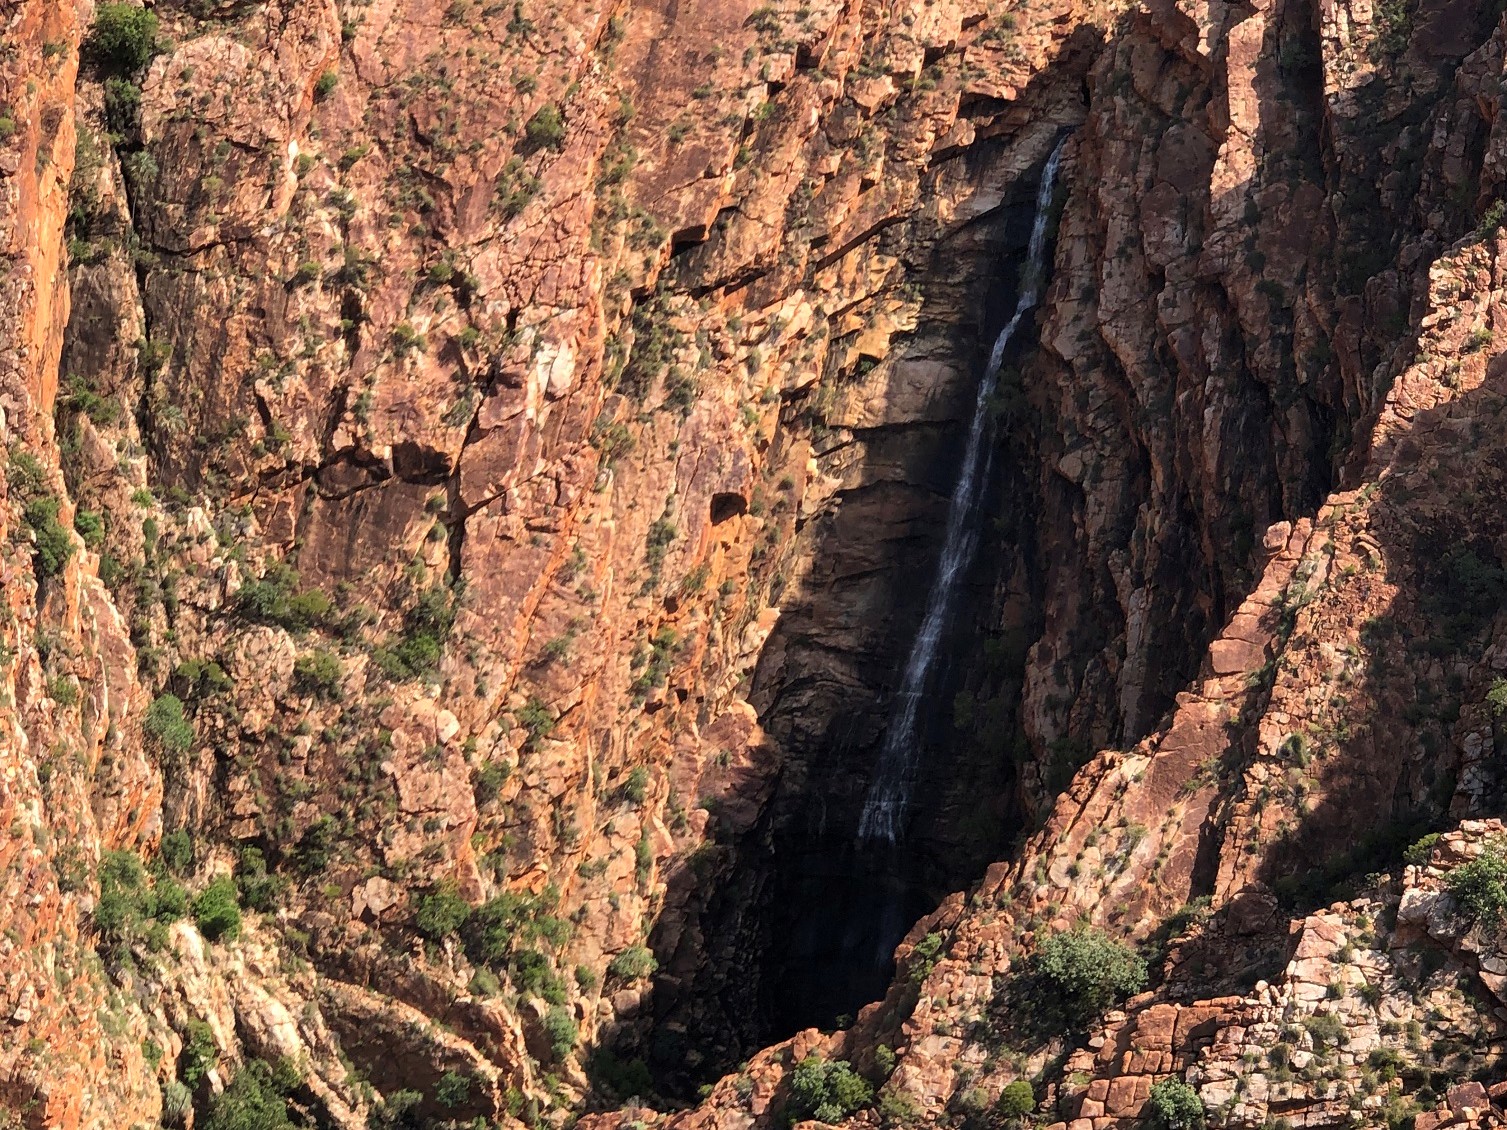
1072, 979
634, 963
560, 1027
546, 127
1016, 1101
1173, 1105
216, 912
442, 912
124, 37
318, 673
166, 723
827, 1090
257, 1098
1480, 885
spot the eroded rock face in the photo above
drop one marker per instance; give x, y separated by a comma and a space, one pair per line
518, 436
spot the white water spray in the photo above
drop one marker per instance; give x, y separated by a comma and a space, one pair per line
888, 800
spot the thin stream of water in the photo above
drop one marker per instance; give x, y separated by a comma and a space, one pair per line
887, 802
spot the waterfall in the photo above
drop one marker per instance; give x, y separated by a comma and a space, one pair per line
885, 806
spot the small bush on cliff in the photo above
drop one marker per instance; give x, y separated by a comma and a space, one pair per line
91, 527
489, 779
426, 627
442, 912
634, 963
176, 852
124, 899
452, 1089
636, 787
124, 37
827, 1090
259, 888
924, 957
255, 1100
1480, 886
122, 106
1420, 850
200, 1052
53, 545
272, 599
624, 1078
1075, 976
560, 1027
1173, 1105
165, 722
535, 717
546, 127
318, 673
1016, 1101
216, 912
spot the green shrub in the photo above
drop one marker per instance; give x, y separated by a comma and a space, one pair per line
1173, 1105
924, 957
318, 673
259, 888
122, 105
452, 1089
484, 983
489, 780
177, 1103
536, 718
200, 1053
272, 599
1480, 886
91, 527
491, 927
442, 912
255, 1100
1080, 973
325, 85
54, 546
827, 1091
124, 37
625, 1078
1325, 1029
532, 976
1016, 1101
124, 900
314, 846
636, 787
177, 851
546, 127
216, 912
897, 1108
560, 1027
398, 1110
425, 628
1419, 851
165, 722
633, 964
169, 900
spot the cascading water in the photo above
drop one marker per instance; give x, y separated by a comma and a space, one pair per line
888, 799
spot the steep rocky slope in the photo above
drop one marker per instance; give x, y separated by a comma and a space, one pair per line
474, 471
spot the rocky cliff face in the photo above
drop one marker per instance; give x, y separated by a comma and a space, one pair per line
475, 470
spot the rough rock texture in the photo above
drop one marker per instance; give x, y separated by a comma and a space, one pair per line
517, 437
